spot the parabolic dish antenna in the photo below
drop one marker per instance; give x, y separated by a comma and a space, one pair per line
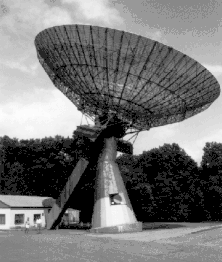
126, 81
146, 83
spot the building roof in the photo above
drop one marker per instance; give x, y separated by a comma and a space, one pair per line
22, 201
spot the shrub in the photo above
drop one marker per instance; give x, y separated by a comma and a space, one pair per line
49, 202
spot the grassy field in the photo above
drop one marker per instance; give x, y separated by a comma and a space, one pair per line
78, 245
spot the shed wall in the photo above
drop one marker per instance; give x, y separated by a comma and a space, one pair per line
28, 213
7, 213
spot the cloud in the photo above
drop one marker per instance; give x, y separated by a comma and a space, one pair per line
155, 137
56, 16
91, 10
30, 16
195, 149
216, 70
157, 36
21, 21
19, 24
163, 132
45, 113
215, 136
3, 80
19, 65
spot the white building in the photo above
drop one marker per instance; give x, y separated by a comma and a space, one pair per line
14, 210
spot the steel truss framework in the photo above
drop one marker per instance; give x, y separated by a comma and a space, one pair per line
146, 83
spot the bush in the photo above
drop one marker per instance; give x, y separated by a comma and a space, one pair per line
49, 202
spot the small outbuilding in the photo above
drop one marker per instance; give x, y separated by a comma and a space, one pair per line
14, 210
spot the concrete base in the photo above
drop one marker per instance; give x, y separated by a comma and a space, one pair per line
125, 228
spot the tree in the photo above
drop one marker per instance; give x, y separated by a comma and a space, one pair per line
170, 172
163, 183
127, 167
211, 174
28, 163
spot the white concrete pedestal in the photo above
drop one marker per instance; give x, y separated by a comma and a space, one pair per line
112, 209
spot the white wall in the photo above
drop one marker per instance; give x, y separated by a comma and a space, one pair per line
29, 213
7, 213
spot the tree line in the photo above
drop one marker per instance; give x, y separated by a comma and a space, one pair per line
164, 184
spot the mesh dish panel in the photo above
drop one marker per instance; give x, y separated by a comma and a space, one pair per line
144, 82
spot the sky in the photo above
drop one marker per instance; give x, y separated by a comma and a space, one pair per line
30, 105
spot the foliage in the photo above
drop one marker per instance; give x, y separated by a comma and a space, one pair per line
211, 166
36, 166
163, 183
49, 202
159, 183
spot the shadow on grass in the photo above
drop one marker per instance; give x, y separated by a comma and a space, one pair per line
151, 226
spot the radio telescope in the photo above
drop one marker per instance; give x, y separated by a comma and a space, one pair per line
123, 82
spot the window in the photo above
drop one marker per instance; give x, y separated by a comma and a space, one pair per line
36, 216
2, 219
19, 219
115, 199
